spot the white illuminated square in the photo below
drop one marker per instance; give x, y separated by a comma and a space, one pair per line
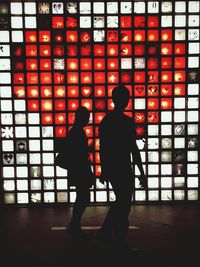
4, 36
72, 197
22, 185
112, 22
153, 182
101, 196
85, 8
193, 102
180, 34
63, 197
8, 172
153, 195
166, 7
179, 181
193, 182
9, 185
61, 184
85, 22
47, 145
166, 116
192, 194
166, 156
60, 172
48, 158
35, 184
153, 169
192, 155
153, 129
20, 132
193, 34
166, 21
33, 131
5, 92
193, 116
153, 143
126, 63
153, 6
19, 105
99, 22
179, 194
5, 50
112, 7
139, 103
22, 198
140, 195
49, 197
98, 8
5, 78
192, 129
192, 169
193, 6
5, 64
193, 62
48, 171
193, 21
180, 6
47, 131
20, 118
166, 169
179, 142
139, 7
166, 195
34, 118
166, 129
35, 158
6, 105
17, 36
180, 21
29, 8
16, 22
194, 48
6, 119
30, 22
166, 182
34, 145
99, 36
179, 103
57, 8
179, 116
16, 8
153, 156
126, 7
22, 172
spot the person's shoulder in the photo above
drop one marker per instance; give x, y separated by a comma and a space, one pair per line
129, 120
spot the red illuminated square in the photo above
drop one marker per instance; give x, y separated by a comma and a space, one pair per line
86, 64
60, 118
72, 36
100, 104
57, 22
153, 50
179, 49
58, 50
72, 64
19, 65
58, 77
46, 105
72, 77
18, 78
166, 63
99, 91
126, 50
110, 104
126, 77
71, 22
112, 50
139, 90
139, 35
112, 63
139, 21
45, 77
31, 64
166, 49
89, 131
166, 76
112, 36
87, 103
153, 117
60, 105
166, 35
126, 36
71, 117
140, 130
166, 89
179, 76
45, 64
85, 37
153, 90
73, 104
139, 117
45, 50
19, 91
153, 63
33, 91
99, 63
152, 21
46, 91
71, 50
152, 35
99, 77
179, 62
139, 77
47, 118
60, 91
31, 50
139, 50
31, 36
86, 77
32, 78
179, 89
113, 77
72, 91
166, 103
152, 103
33, 105
125, 21
99, 50
44, 36
86, 91
85, 50
152, 76
60, 131
58, 37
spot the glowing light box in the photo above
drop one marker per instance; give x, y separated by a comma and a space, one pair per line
56, 56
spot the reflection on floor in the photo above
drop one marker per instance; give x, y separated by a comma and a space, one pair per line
166, 236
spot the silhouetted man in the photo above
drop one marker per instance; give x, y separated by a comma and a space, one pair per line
117, 143
79, 169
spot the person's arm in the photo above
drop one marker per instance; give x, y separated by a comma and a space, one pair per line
138, 162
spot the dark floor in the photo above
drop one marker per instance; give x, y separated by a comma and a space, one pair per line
167, 236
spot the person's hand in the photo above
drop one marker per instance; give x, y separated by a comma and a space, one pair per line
143, 181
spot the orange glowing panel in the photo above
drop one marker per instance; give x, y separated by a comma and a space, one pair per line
139, 21
86, 91
112, 63
45, 64
33, 105
32, 78
19, 91
46, 91
89, 131
58, 50
31, 64
112, 36
86, 64
112, 50
60, 118
60, 105
47, 118
166, 35
87, 103
97, 170
99, 77
125, 21
166, 49
72, 91
179, 49
153, 103
166, 89
125, 36
99, 63
72, 36
166, 62
139, 90
99, 91
72, 64
31, 50
31, 36
72, 77
18, 78
153, 117
152, 21
46, 105
166, 103
110, 104
139, 35
33, 91
139, 117
45, 77
45, 50
73, 104
112, 77
60, 131
71, 22
179, 76
60, 91
57, 22
179, 62
99, 50
166, 76
179, 89
139, 77
44, 36
86, 77
152, 35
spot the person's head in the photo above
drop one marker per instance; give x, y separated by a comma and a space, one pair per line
120, 97
82, 116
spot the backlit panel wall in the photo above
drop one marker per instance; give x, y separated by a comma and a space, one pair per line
56, 56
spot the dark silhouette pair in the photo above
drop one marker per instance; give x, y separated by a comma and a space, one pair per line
117, 143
